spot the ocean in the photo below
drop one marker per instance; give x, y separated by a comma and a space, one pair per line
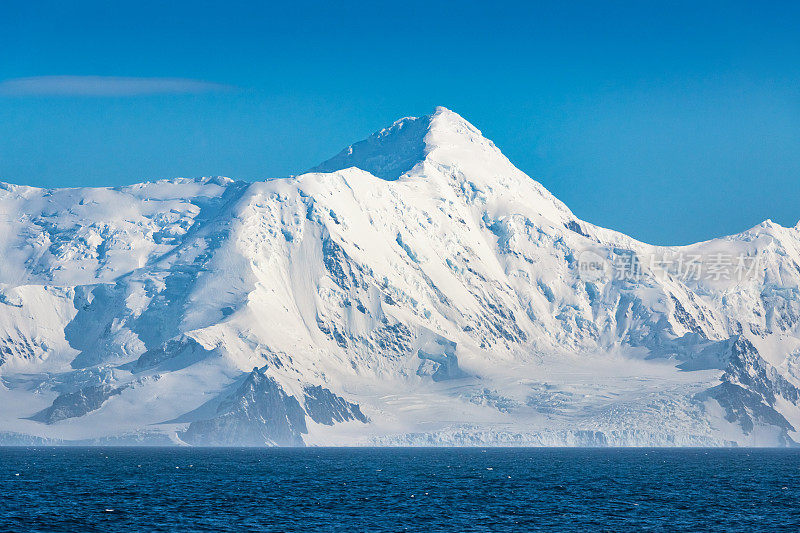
392, 490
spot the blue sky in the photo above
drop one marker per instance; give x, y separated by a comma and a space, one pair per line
671, 121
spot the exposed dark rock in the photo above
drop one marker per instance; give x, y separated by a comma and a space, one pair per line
394, 337
79, 403
324, 407
685, 318
337, 263
573, 225
750, 387
20, 347
172, 355
747, 408
258, 413
747, 368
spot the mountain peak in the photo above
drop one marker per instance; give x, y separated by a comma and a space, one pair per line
388, 153
445, 148
443, 117
393, 151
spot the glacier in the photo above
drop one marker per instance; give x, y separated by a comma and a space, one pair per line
415, 289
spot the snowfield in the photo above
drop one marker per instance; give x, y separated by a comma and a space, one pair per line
416, 289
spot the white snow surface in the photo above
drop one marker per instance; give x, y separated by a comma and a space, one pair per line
418, 275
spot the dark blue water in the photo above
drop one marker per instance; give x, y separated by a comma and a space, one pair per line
168, 489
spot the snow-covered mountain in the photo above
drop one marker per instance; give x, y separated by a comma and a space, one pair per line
417, 288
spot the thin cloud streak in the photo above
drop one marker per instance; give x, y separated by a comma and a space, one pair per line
105, 86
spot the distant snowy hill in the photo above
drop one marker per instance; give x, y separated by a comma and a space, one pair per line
416, 289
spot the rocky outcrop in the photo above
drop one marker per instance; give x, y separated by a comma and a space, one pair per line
258, 413
78, 403
324, 407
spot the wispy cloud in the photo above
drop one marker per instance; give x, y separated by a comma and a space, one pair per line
105, 86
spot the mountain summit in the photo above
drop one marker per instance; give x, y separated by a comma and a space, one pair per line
446, 148
417, 288
394, 151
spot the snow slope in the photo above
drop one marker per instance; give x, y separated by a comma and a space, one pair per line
416, 289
